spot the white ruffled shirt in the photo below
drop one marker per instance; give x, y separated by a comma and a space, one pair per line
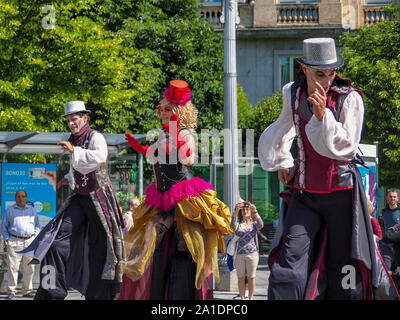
330, 138
88, 160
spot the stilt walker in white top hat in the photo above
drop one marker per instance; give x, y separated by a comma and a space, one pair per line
82, 247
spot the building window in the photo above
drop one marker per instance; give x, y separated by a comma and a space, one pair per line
286, 67
210, 2
289, 69
285, 70
298, 1
217, 2
378, 2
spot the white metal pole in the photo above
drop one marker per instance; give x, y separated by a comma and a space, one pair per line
231, 177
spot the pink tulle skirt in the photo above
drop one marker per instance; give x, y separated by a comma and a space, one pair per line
179, 191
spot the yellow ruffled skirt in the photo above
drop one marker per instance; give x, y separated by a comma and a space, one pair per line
202, 222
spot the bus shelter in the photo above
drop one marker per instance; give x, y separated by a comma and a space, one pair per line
46, 143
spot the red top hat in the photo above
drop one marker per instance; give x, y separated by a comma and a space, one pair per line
178, 92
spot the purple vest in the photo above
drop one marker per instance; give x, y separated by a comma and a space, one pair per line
86, 183
314, 172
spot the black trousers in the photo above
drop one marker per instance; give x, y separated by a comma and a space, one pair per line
306, 214
391, 240
387, 253
79, 215
174, 274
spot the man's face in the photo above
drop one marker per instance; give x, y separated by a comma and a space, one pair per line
20, 199
76, 122
323, 77
392, 198
134, 206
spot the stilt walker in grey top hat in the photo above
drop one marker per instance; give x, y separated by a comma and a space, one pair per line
82, 247
324, 246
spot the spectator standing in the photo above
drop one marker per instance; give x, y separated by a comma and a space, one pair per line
230, 263
133, 203
246, 222
19, 227
390, 217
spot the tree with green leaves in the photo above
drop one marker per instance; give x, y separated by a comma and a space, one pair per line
118, 56
183, 46
42, 66
372, 62
266, 112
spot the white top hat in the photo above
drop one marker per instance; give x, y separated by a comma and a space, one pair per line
320, 53
75, 107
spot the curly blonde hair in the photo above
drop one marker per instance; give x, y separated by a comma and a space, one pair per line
187, 113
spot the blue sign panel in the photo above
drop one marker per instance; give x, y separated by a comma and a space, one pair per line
39, 182
369, 180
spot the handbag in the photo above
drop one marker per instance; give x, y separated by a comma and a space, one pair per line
232, 245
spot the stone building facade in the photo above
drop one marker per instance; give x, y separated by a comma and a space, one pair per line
270, 34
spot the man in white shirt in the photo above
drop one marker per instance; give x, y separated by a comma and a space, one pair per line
19, 227
83, 244
325, 237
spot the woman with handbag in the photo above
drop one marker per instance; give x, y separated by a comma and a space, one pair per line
246, 222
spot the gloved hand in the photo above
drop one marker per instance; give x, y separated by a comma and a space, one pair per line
180, 142
136, 145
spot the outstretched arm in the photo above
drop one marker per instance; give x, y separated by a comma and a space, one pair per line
145, 150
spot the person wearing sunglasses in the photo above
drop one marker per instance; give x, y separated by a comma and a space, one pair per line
178, 230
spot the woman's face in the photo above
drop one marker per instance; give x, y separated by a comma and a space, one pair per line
165, 114
246, 213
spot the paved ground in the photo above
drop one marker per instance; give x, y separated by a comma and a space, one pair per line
262, 276
260, 291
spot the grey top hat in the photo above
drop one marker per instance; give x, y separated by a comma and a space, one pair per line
75, 107
320, 53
